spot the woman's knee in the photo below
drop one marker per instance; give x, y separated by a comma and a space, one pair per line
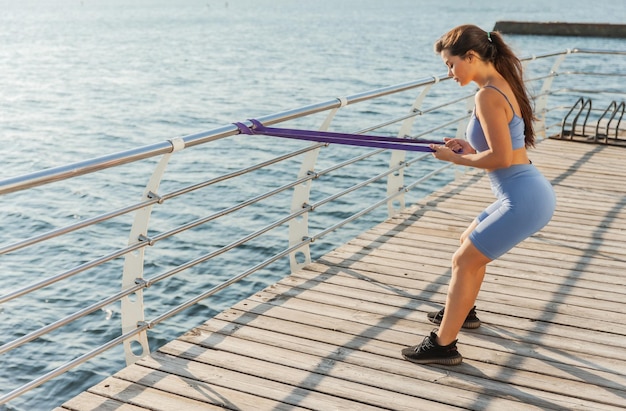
465, 236
468, 258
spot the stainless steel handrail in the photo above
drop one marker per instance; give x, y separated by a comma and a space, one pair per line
112, 160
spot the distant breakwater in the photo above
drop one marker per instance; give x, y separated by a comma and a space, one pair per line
562, 29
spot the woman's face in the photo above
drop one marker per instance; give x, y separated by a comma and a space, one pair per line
458, 68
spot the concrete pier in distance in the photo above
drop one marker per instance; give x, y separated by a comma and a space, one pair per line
562, 29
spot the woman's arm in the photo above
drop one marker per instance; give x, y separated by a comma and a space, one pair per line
493, 115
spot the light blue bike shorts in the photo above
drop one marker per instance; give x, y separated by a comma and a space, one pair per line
525, 204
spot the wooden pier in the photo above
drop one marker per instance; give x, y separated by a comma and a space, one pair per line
329, 336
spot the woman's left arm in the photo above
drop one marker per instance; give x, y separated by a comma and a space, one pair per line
495, 124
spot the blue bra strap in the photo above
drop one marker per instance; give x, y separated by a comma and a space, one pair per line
504, 95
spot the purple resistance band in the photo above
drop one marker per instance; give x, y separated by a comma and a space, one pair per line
338, 138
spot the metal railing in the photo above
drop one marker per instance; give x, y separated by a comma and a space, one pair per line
286, 206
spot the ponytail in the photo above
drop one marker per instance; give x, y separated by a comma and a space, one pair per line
490, 46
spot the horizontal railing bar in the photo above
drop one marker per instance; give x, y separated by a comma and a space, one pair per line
350, 189
446, 104
226, 211
193, 301
546, 55
261, 197
347, 162
66, 274
88, 166
69, 365
73, 227
50, 175
237, 173
368, 95
539, 78
125, 157
388, 123
554, 125
222, 250
574, 90
378, 204
429, 175
593, 73
70, 318
596, 51
116, 213
243, 240
362, 184
225, 284
414, 114
51, 280
444, 125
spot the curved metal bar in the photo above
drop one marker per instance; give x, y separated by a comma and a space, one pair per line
621, 105
51, 175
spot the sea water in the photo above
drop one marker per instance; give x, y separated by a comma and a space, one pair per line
83, 78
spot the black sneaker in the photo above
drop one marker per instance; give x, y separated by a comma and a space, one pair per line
471, 321
429, 352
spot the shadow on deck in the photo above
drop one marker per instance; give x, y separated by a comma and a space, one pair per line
329, 336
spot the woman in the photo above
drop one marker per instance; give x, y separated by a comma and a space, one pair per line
498, 134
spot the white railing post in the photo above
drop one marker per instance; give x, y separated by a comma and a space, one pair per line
299, 226
132, 305
541, 103
395, 180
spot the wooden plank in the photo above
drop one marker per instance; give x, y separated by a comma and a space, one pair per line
148, 397
186, 378
356, 350
329, 336
403, 307
307, 371
383, 340
317, 358
87, 401
258, 392
372, 281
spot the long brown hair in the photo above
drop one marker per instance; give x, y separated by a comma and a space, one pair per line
490, 46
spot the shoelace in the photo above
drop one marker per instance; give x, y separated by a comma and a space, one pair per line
425, 345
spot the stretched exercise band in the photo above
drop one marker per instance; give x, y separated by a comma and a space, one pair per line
338, 138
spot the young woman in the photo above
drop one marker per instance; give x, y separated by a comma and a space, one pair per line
498, 134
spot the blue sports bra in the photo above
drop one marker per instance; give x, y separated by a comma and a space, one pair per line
476, 136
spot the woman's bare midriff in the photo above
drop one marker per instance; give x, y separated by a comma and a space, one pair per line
520, 156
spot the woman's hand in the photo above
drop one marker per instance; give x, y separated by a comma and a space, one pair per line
442, 152
451, 149
459, 145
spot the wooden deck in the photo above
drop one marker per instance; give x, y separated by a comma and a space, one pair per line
329, 336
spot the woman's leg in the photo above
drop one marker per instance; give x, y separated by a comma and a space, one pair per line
468, 271
468, 231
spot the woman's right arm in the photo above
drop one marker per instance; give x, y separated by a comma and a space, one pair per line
458, 145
